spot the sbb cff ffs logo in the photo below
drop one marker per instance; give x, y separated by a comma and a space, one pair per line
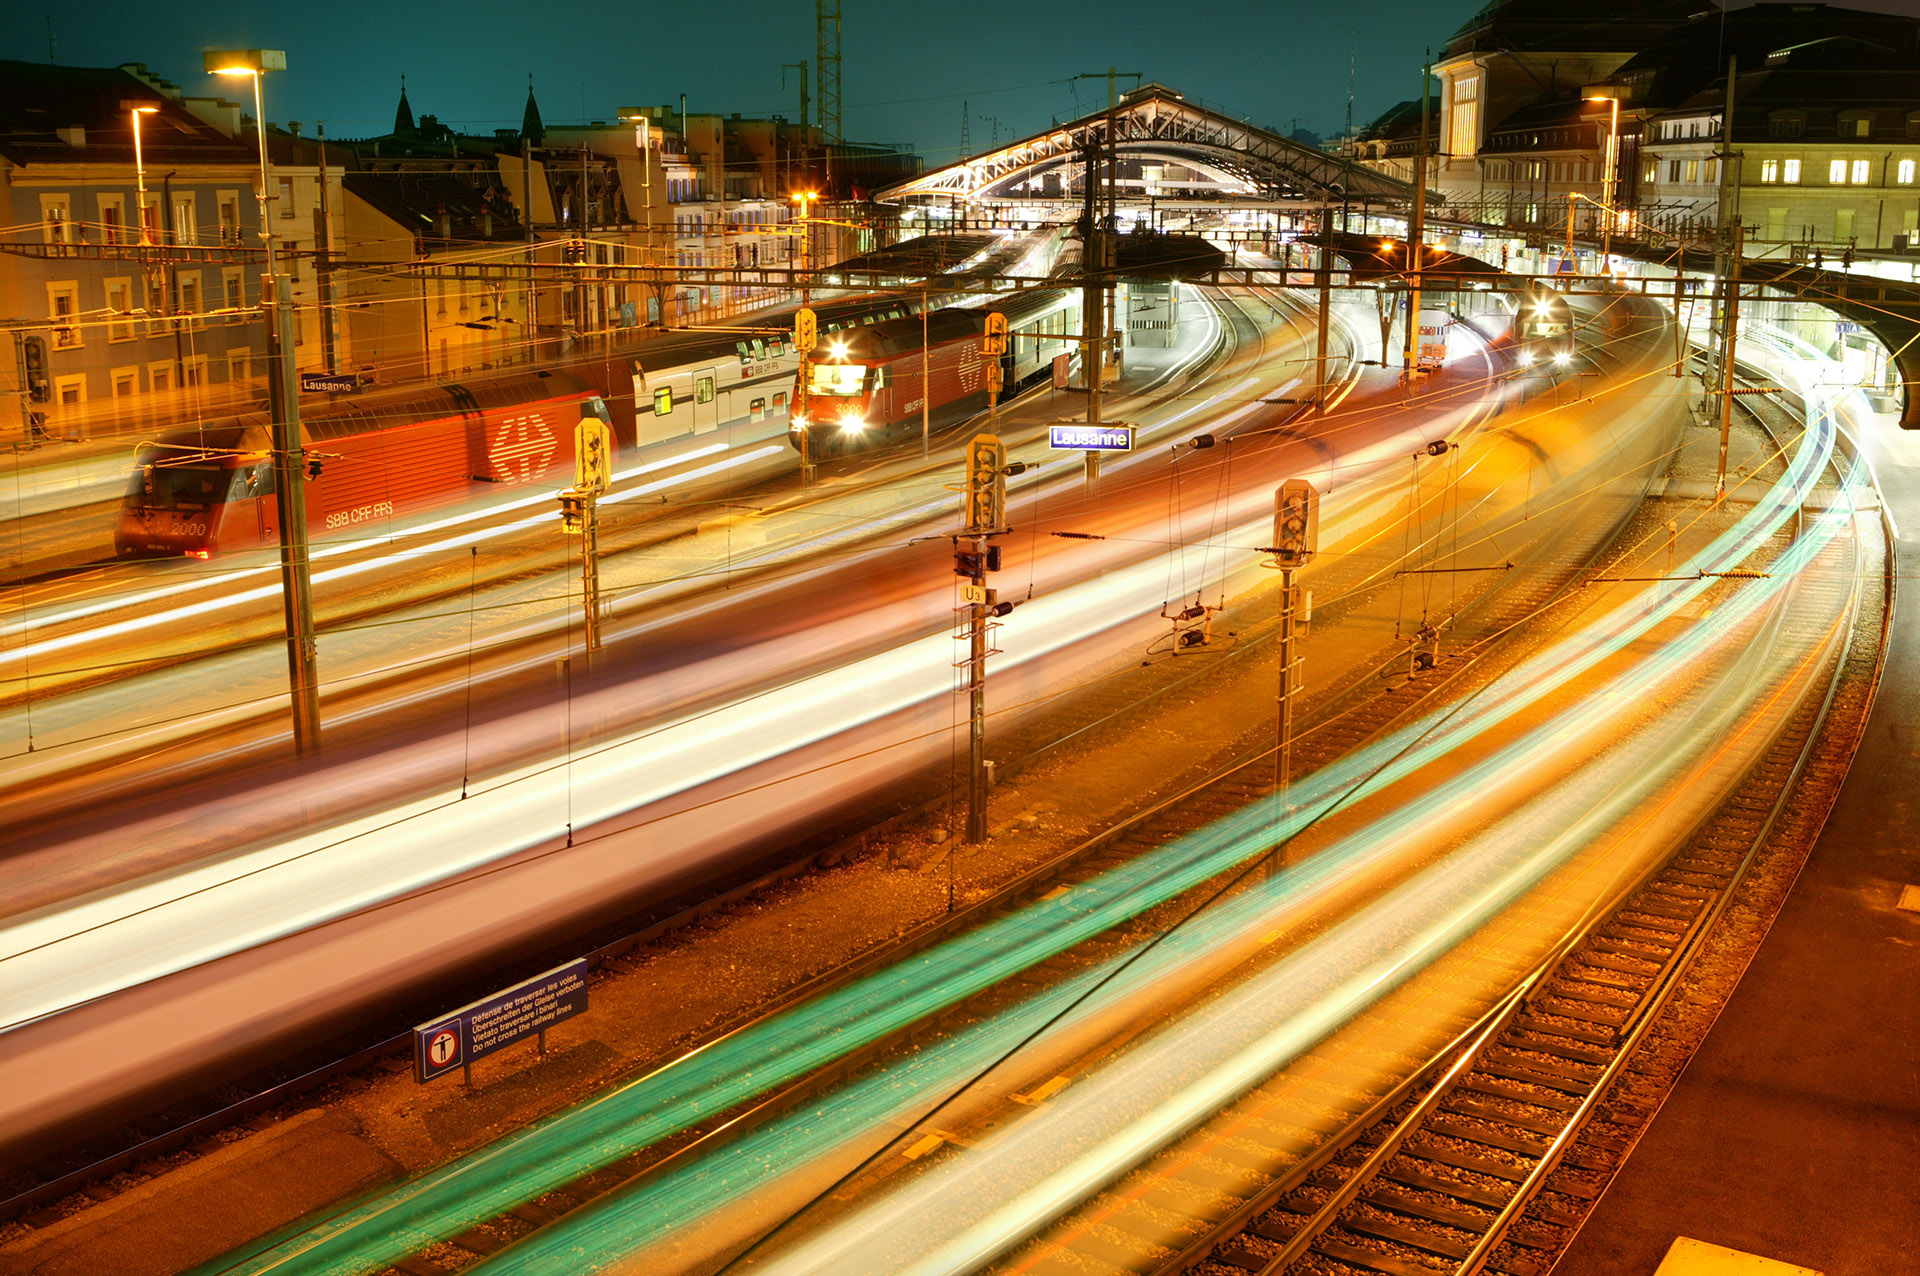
1296, 524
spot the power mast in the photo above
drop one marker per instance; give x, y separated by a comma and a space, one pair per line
827, 67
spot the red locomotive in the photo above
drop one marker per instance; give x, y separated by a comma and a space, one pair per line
204, 489
865, 385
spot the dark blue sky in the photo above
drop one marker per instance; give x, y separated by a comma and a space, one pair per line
906, 66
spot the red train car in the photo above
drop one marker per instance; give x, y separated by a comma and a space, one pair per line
205, 489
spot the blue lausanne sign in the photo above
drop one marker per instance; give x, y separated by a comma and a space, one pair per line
1091, 438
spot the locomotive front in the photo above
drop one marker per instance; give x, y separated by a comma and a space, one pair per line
842, 390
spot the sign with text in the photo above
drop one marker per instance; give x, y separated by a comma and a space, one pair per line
1090, 438
329, 382
477, 1030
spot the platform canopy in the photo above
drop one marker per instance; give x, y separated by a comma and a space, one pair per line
1169, 150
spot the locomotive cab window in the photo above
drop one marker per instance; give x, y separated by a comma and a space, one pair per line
168, 487
838, 378
663, 401
703, 390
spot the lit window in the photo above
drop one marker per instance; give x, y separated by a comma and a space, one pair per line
1769, 170
703, 390
1837, 172
1905, 173
663, 401
1790, 171
1862, 172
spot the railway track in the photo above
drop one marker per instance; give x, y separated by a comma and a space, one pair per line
1487, 1158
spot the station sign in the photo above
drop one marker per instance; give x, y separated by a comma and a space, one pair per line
513, 1014
1070, 437
329, 382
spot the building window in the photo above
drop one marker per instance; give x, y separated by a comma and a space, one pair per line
1862, 172
1837, 172
63, 307
284, 197
1673, 170
239, 366
126, 382
233, 288
1693, 172
120, 301
70, 392
193, 371
1843, 225
113, 220
1790, 171
1770, 170
160, 377
190, 295
1786, 124
229, 217
1463, 120
56, 216
150, 218
1904, 173
185, 231
1856, 124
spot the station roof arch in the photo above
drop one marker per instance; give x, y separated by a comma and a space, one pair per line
1193, 152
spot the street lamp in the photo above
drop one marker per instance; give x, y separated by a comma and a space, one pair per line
1609, 176
137, 109
289, 469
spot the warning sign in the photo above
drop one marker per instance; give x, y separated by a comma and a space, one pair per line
477, 1030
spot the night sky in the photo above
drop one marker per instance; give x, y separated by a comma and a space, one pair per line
906, 67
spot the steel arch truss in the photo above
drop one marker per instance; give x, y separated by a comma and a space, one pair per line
1156, 126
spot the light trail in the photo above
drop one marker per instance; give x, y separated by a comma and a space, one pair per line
526, 1165
963, 1212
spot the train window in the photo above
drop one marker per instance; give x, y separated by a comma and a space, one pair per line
780, 401
177, 486
746, 353
776, 346
703, 390
759, 348
250, 481
757, 410
663, 401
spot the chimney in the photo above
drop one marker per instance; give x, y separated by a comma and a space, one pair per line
293, 128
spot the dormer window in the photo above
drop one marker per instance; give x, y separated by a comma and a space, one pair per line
1787, 124
1856, 124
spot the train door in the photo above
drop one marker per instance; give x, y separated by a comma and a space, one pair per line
706, 400
252, 518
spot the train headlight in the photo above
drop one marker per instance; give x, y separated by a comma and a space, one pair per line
1562, 359
1526, 358
852, 422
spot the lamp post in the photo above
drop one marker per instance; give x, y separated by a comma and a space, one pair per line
1609, 175
289, 469
136, 110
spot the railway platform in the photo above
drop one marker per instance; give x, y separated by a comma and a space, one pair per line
1794, 1133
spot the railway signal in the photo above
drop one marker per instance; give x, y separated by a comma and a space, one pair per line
1296, 537
994, 343
579, 516
986, 490
806, 330
1296, 524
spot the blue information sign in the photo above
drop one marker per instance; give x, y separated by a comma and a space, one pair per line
475, 1031
329, 382
1090, 438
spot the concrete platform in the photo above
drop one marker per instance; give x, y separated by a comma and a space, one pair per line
1794, 1135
